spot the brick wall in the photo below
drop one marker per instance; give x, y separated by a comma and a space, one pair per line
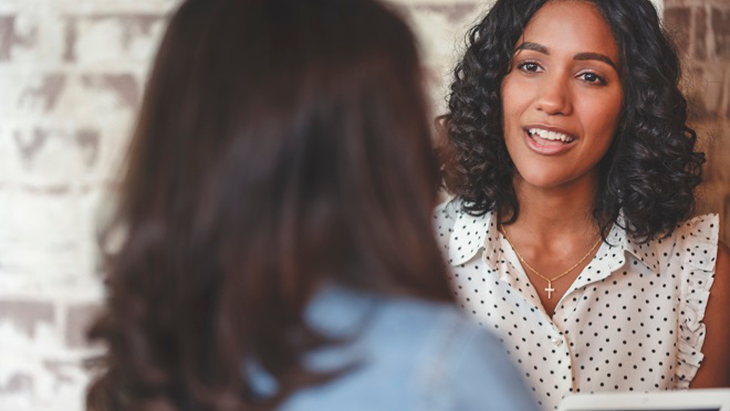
71, 77
702, 31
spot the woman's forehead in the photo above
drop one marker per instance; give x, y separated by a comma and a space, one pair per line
571, 26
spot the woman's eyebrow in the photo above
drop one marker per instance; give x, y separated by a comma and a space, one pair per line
580, 56
596, 56
534, 47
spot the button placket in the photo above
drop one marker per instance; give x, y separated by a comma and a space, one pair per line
561, 387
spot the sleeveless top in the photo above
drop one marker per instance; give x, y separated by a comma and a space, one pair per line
631, 321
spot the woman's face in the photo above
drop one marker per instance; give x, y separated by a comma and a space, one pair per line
562, 98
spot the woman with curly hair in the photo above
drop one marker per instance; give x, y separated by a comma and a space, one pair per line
574, 175
276, 210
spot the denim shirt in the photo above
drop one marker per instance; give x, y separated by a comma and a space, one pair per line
411, 354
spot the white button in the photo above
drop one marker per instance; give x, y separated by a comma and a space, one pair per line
557, 341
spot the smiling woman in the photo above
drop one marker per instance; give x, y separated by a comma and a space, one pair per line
562, 98
574, 174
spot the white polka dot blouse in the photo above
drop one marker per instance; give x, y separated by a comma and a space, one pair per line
631, 321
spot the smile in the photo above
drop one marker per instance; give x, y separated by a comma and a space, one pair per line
548, 142
549, 135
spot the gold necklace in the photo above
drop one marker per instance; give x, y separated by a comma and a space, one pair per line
549, 288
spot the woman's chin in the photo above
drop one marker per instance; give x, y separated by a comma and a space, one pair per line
541, 179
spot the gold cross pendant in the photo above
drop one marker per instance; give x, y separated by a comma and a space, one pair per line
550, 289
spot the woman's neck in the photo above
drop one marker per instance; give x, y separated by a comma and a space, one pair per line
556, 215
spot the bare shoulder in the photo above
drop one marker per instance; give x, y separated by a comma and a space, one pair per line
721, 285
715, 369
722, 266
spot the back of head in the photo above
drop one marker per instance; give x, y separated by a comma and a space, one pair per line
281, 144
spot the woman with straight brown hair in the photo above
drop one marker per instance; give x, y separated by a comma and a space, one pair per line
276, 205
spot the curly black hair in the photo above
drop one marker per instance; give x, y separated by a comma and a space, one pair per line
651, 170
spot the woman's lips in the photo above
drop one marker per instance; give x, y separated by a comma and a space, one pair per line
546, 147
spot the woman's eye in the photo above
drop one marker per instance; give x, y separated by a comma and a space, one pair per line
592, 78
529, 67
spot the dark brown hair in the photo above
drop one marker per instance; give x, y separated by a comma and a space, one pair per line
650, 172
281, 144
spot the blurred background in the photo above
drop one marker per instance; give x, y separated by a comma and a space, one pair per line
72, 73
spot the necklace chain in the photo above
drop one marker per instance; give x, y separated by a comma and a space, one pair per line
524, 262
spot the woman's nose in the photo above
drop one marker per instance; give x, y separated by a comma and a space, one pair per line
554, 97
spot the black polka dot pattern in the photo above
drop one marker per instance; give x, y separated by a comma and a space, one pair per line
631, 321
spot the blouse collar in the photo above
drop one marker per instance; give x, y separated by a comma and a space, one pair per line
474, 233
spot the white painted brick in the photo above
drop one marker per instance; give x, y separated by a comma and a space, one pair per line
39, 236
9, 161
58, 96
46, 154
441, 30
29, 93
59, 156
21, 39
46, 382
126, 39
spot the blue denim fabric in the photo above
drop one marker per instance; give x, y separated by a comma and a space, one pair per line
412, 355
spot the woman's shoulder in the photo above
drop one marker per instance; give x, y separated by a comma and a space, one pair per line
692, 245
413, 326
448, 211
401, 326
453, 223
397, 320
702, 228
452, 359
409, 353
695, 243
694, 240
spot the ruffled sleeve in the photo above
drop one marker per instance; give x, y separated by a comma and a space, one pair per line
696, 246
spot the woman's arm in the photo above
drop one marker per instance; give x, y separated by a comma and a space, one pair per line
715, 368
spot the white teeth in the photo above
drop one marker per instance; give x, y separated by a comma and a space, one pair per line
550, 135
